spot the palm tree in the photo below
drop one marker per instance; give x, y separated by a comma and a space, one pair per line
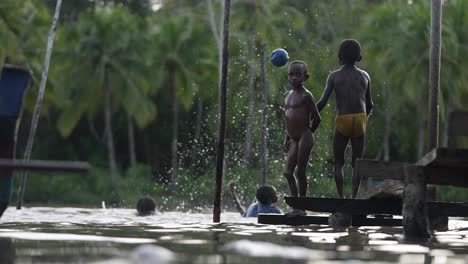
175, 70
97, 67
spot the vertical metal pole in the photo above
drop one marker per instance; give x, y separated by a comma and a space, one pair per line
434, 72
222, 114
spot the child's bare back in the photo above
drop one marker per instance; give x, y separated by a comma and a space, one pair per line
352, 88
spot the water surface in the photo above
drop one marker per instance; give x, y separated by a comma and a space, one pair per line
77, 235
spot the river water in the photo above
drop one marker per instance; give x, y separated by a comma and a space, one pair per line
78, 235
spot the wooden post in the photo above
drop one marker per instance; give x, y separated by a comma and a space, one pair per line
434, 72
264, 131
222, 114
40, 97
415, 220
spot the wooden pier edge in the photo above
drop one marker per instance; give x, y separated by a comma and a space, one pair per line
42, 165
372, 206
281, 219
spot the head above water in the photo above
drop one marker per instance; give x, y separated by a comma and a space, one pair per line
266, 195
298, 73
350, 52
146, 206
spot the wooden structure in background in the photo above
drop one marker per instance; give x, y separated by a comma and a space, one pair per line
13, 84
441, 166
45, 165
357, 220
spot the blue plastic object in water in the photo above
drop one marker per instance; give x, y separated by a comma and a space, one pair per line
279, 57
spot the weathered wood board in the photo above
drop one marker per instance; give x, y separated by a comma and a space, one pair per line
42, 165
372, 206
281, 219
438, 168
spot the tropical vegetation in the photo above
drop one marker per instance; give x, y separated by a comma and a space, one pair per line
133, 90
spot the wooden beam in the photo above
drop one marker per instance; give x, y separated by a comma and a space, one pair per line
372, 206
441, 166
43, 165
379, 169
280, 219
347, 206
445, 157
446, 176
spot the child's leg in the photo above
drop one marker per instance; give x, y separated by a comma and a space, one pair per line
358, 150
339, 145
289, 168
305, 147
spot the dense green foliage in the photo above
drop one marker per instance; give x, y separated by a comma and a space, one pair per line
162, 69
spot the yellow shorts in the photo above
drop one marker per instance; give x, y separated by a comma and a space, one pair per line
351, 125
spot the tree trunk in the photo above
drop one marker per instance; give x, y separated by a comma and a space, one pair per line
248, 153
434, 72
131, 141
40, 97
264, 154
222, 115
196, 137
108, 128
175, 124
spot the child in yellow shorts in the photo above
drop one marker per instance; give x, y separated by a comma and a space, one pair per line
352, 88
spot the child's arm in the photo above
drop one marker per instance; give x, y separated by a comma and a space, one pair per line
326, 93
287, 138
369, 103
286, 143
314, 114
235, 197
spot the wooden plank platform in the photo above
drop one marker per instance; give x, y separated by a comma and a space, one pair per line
445, 157
42, 165
438, 169
372, 206
281, 219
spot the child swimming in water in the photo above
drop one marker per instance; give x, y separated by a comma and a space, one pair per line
266, 197
146, 206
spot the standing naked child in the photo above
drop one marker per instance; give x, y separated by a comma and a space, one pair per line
302, 119
352, 88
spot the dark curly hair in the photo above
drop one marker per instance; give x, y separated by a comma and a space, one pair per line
304, 65
266, 195
350, 52
146, 206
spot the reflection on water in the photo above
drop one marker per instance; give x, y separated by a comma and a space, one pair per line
76, 235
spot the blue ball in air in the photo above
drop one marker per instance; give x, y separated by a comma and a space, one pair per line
279, 57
